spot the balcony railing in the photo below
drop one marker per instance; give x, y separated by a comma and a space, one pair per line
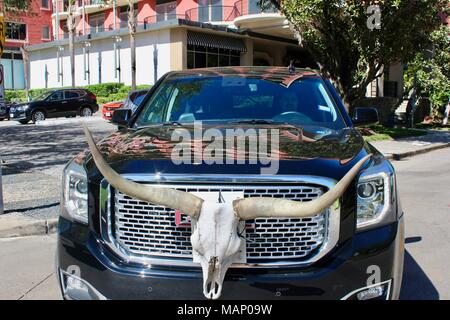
200, 14
213, 14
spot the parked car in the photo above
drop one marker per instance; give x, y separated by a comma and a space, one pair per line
4, 114
56, 103
132, 101
327, 224
108, 109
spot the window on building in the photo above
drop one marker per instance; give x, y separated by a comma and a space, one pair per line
210, 10
46, 32
203, 57
96, 22
165, 10
45, 4
16, 31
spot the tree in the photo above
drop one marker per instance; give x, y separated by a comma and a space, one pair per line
71, 29
12, 6
346, 43
132, 26
430, 72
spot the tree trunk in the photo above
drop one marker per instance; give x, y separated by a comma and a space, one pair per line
26, 59
71, 29
132, 29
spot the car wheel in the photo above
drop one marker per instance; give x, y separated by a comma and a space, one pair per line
23, 121
38, 116
86, 112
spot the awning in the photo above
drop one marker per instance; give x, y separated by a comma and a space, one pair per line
215, 41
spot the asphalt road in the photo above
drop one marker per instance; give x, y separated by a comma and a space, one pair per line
35, 156
26, 268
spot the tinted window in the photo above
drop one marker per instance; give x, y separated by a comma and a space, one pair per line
138, 99
71, 94
58, 95
304, 102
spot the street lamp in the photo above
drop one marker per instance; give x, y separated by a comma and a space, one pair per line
86, 64
117, 41
60, 67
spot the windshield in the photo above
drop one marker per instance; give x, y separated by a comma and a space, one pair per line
305, 102
43, 96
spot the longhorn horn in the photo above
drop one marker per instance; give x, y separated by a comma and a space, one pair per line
175, 199
251, 208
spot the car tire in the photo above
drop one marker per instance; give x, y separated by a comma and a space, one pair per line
38, 115
23, 121
86, 112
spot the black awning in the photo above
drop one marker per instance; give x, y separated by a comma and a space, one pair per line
215, 41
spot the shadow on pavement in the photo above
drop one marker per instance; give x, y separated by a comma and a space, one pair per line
416, 285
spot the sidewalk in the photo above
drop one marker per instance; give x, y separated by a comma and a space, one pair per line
38, 213
407, 147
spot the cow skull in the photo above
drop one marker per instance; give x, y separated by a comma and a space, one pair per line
215, 238
216, 242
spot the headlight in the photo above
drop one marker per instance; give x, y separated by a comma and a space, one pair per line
375, 197
23, 108
75, 193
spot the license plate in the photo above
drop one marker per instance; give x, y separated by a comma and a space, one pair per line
227, 197
108, 114
11, 115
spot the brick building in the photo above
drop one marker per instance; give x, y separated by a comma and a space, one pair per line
26, 28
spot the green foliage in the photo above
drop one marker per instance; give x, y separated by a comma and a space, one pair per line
104, 89
105, 92
336, 34
431, 71
378, 132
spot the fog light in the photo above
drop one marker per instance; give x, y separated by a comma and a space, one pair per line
378, 291
75, 288
371, 293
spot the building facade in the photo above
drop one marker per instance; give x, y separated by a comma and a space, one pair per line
171, 35
23, 29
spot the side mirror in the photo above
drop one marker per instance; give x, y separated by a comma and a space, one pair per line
121, 117
365, 116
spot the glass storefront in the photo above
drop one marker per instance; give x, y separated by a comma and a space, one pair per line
206, 57
13, 68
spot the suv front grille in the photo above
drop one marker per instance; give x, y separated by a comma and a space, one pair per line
143, 229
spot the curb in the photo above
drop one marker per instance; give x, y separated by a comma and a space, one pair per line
33, 228
399, 156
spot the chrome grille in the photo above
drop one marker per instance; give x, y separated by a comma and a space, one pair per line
144, 229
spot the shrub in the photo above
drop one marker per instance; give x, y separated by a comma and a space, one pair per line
104, 89
105, 92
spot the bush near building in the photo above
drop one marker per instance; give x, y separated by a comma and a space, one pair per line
105, 92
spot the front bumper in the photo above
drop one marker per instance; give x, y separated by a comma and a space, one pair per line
343, 272
18, 115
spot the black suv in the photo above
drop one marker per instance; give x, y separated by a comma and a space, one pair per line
56, 103
322, 220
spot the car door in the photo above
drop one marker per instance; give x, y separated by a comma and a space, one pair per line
53, 104
72, 103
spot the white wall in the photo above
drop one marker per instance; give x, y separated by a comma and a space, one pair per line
145, 45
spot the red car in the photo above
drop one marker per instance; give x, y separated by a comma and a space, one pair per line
132, 102
108, 109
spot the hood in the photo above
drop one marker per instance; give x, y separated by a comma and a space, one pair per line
302, 151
